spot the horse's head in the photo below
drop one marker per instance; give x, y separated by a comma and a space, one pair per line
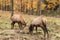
24, 24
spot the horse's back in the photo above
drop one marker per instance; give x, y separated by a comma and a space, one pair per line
39, 20
17, 17
36, 21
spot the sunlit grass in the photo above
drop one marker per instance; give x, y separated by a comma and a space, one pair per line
53, 24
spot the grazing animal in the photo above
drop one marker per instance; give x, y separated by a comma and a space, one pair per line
39, 22
17, 18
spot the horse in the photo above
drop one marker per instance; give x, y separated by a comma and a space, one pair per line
18, 18
39, 22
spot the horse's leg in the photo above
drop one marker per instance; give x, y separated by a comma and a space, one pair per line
31, 29
46, 30
36, 29
20, 25
12, 25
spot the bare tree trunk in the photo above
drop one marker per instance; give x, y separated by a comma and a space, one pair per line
26, 2
0, 5
32, 7
12, 9
59, 5
24, 6
38, 7
20, 5
4, 6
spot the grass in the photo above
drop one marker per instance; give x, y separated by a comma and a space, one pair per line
53, 25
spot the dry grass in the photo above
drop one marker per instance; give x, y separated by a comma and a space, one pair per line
53, 24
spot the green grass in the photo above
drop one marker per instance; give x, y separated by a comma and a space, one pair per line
53, 25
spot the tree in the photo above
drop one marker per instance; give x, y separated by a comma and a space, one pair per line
26, 2
31, 6
21, 5
39, 7
12, 4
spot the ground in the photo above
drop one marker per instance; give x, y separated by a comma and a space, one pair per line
53, 25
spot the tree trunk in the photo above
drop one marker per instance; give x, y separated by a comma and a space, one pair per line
26, 2
12, 9
38, 7
32, 7
20, 5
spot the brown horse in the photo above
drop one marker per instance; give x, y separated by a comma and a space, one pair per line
39, 22
17, 18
